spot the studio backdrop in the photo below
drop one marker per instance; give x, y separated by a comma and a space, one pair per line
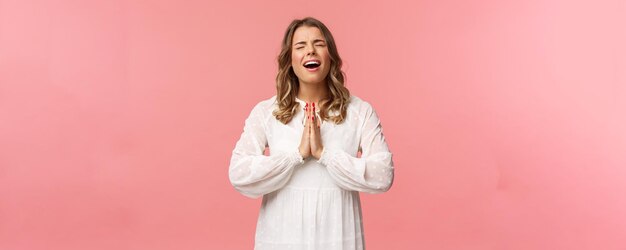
506, 120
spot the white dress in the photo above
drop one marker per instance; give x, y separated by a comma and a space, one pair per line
311, 204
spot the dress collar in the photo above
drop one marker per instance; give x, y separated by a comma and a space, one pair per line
302, 104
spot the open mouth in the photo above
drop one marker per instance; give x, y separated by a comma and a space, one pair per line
312, 64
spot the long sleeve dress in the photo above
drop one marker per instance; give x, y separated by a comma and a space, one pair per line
311, 203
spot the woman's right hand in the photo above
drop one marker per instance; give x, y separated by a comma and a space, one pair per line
305, 145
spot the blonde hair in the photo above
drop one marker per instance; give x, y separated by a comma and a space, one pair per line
287, 84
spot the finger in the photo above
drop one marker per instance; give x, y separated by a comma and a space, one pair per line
314, 128
312, 125
317, 125
316, 120
308, 118
307, 128
307, 111
314, 115
312, 120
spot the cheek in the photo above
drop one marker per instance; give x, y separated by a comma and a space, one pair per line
295, 59
327, 59
326, 56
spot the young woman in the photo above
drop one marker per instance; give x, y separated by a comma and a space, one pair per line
314, 128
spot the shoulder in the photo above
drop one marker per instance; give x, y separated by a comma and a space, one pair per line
359, 105
264, 107
363, 111
266, 104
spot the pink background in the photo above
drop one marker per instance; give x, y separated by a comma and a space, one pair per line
507, 120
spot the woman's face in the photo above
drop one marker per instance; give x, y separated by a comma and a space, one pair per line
309, 55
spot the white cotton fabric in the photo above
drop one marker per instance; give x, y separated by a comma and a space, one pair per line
311, 203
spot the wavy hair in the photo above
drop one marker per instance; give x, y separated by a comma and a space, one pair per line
287, 84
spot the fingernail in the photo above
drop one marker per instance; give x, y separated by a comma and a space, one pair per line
313, 105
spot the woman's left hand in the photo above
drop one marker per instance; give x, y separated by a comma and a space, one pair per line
315, 134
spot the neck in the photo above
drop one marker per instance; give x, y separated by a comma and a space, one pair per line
312, 92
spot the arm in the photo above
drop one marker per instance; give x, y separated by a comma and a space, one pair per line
252, 173
374, 171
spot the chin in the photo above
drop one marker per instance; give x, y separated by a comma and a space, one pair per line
314, 80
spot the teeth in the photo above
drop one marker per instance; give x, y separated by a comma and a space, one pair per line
311, 63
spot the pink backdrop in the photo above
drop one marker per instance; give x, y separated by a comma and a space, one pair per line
507, 120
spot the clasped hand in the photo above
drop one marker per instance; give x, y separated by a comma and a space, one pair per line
311, 142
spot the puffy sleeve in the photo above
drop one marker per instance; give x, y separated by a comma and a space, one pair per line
373, 172
252, 173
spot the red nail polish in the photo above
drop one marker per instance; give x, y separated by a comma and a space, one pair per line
313, 105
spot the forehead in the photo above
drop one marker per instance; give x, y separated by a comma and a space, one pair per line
307, 33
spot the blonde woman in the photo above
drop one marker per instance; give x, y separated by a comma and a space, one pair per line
314, 129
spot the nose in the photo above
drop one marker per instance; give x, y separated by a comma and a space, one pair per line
311, 50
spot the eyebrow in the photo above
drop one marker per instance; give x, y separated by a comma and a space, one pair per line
314, 41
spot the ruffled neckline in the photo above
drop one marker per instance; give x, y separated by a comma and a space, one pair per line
302, 105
